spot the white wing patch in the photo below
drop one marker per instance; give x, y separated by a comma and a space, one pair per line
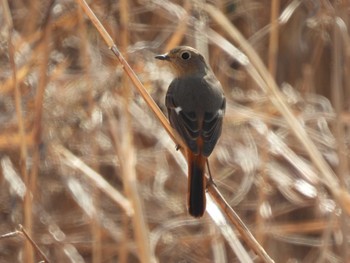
177, 110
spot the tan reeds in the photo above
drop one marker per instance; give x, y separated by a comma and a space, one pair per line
30, 240
92, 176
267, 83
27, 204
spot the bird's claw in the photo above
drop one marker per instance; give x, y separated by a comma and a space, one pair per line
210, 182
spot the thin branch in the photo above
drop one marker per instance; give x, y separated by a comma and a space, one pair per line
239, 224
23, 232
97, 179
36, 247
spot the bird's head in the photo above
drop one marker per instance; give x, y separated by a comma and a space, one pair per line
185, 61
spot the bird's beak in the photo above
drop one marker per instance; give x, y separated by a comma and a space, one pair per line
163, 57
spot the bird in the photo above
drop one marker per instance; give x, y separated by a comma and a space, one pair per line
196, 104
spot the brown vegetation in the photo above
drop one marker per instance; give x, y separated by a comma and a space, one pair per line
89, 171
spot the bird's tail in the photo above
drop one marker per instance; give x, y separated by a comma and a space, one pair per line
196, 184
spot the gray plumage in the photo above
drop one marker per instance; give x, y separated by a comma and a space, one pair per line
199, 95
196, 107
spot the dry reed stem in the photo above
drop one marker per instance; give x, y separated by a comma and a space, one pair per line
127, 164
12, 140
272, 66
305, 227
239, 224
328, 178
125, 149
38, 108
28, 238
96, 232
32, 242
8, 85
27, 204
71, 160
339, 129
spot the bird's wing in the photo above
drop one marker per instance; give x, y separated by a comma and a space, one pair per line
211, 129
185, 123
192, 127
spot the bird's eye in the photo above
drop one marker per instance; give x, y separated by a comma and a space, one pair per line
185, 55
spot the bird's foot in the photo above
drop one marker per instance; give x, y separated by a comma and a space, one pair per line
210, 182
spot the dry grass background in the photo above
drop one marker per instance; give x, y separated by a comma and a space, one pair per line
91, 174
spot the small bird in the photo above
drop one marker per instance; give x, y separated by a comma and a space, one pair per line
196, 106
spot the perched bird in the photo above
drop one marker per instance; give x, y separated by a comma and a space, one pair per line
196, 107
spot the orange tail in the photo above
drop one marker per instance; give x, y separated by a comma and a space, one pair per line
196, 184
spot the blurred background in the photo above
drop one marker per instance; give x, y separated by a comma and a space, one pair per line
70, 116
